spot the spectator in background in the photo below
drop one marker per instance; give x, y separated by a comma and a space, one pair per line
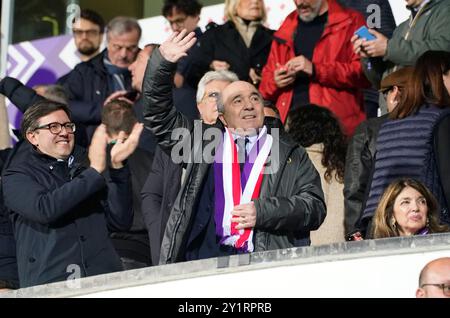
184, 14
92, 82
241, 45
316, 129
362, 148
414, 143
147, 141
434, 279
88, 30
425, 30
60, 203
131, 245
406, 208
317, 65
157, 200
378, 14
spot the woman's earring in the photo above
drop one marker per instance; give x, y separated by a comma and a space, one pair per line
393, 223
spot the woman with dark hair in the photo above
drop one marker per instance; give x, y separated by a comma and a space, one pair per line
407, 208
318, 130
414, 142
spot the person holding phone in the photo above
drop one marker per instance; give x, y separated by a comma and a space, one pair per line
426, 29
317, 65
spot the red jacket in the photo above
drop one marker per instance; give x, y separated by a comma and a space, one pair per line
338, 75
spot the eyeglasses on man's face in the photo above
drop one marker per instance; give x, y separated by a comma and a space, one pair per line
444, 287
89, 33
56, 128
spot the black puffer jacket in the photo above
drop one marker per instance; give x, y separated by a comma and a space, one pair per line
291, 200
60, 215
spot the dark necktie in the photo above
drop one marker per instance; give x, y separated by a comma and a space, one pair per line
242, 151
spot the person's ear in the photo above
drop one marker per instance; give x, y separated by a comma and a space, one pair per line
395, 93
223, 120
420, 293
31, 137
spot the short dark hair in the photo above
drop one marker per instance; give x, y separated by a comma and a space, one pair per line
32, 115
189, 7
92, 16
118, 116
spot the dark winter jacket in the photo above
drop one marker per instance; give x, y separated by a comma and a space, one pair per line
60, 213
358, 168
158, 197
291, 201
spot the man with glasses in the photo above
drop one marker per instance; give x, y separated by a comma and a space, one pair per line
60, 203
88, 32
434, 279
88, 29
92, 82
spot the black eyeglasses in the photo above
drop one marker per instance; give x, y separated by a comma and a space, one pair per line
89, 33
445, 288
55, 128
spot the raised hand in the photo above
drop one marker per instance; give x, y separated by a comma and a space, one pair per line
124, 147
176, 46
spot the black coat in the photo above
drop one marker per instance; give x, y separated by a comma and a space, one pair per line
158, 197
291, 202
60, 215
226, 44
359, 163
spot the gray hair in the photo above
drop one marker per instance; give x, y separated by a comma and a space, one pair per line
222, 75
55, 93
120, 25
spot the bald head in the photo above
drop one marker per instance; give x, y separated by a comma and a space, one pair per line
243, 107
434, 273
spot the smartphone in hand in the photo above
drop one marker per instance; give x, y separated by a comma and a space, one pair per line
363, 33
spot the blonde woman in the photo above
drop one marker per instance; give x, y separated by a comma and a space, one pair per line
241, 44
